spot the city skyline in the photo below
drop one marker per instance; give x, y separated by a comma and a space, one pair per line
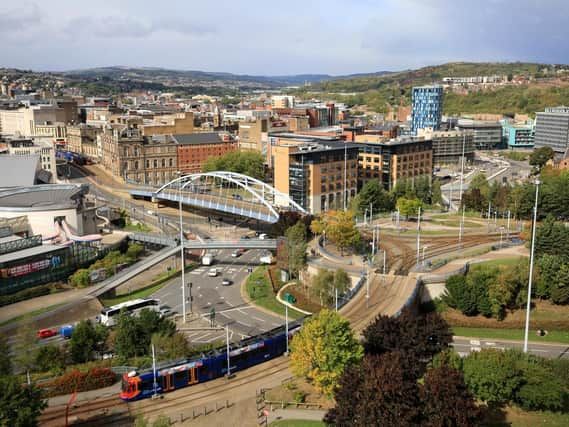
249, 38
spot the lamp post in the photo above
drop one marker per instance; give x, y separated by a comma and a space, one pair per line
531, 265
424, 249
182, 250
418, 236
345, 175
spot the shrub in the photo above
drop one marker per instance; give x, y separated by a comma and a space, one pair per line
76, 380
36, 291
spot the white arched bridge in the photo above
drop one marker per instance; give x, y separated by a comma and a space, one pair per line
228, 192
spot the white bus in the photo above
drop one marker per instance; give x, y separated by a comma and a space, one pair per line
109, 315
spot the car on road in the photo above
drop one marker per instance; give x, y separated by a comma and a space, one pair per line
166, 312
212, 272
226, 282
46, 333
263, 236
238, 252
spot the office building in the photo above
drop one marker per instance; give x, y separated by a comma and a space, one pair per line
316, 174
552, 129
394, 160
487, 134
448, 146
82, 139
46, 153
426, 107
195, 148
519, 136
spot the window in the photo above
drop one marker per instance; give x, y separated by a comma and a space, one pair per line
136, 164
171, 162
147, 164
163, 163
155, 163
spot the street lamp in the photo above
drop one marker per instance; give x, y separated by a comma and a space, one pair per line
182, 248
531, 265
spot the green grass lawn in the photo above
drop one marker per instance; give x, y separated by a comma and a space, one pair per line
297, 423
511, 334
138, 227
516, 417
494, 263
258, 288
456, 223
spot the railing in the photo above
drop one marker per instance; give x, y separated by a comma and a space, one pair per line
330, 256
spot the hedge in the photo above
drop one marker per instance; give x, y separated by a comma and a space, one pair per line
36, 291
93, 379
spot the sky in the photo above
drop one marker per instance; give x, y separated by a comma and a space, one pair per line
280, 38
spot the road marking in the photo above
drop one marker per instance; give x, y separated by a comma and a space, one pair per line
490, 343
257, 318
475, 349
475, 342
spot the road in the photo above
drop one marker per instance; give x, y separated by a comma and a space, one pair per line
244, 320
465, 345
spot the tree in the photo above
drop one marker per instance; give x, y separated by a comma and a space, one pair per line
507, 290
26, 339
436, 193
326, 282
49, 357
80, 278
380, 392
20, 406
296, 248
560, 289
541, 389
248, 162
408, 207
548, 266
5, 358
422, 336
83, 342
540, 156
341, 229
128, 336
373, 193
492, 375
322, 349
446, 399
170, 347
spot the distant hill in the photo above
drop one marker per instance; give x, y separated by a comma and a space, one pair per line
122, 73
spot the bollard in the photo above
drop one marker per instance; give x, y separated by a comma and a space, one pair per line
181, 417
193, 414
227, 403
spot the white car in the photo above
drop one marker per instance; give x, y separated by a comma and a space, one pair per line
263, 236
212, 272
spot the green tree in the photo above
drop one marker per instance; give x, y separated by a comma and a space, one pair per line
540, 156
296, 248
408, 207
326, 282
436, 193
541, 389
492, 376
322, 349
373, 194
128, 336
170, 347
20, 406
548, 266
249, 163
83, 342
134, 251
5, 358
560, 288
26, 340
49, 357
80, 278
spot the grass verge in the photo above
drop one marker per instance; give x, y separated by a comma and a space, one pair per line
516, 417
495, 263
511, 334
32, 314
258, 289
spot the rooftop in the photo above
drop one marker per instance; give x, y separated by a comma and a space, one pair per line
198, 138
18, 170
42, 197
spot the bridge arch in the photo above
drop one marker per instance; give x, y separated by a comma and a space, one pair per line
260, 195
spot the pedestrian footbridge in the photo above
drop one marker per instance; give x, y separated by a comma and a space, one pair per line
228, 192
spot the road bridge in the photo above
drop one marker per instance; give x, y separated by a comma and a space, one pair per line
227, 192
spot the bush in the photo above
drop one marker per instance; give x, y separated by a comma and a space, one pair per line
80, 278
94, 379
541, 388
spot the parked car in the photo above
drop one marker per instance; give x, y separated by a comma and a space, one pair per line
226, 282
166, 312
212, 272
46, 333
245, 237
263, 236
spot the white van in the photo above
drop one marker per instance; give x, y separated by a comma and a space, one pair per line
212, 272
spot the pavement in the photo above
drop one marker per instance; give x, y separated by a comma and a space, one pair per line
295, 414
466, 345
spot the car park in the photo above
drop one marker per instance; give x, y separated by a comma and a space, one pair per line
226, 282
46, 333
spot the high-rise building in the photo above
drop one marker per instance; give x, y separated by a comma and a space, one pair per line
552, 129
426, 107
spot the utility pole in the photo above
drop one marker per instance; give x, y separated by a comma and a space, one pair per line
182, 253
531, 266
345, 175
488, 216
286, 327
384, 263
508, 229
461, 228
462, 167
227, 344
418, 236
154, 372
336, 298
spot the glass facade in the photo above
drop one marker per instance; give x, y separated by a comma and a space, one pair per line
427, 107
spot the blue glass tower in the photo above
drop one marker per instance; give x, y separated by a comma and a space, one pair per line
427, 107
